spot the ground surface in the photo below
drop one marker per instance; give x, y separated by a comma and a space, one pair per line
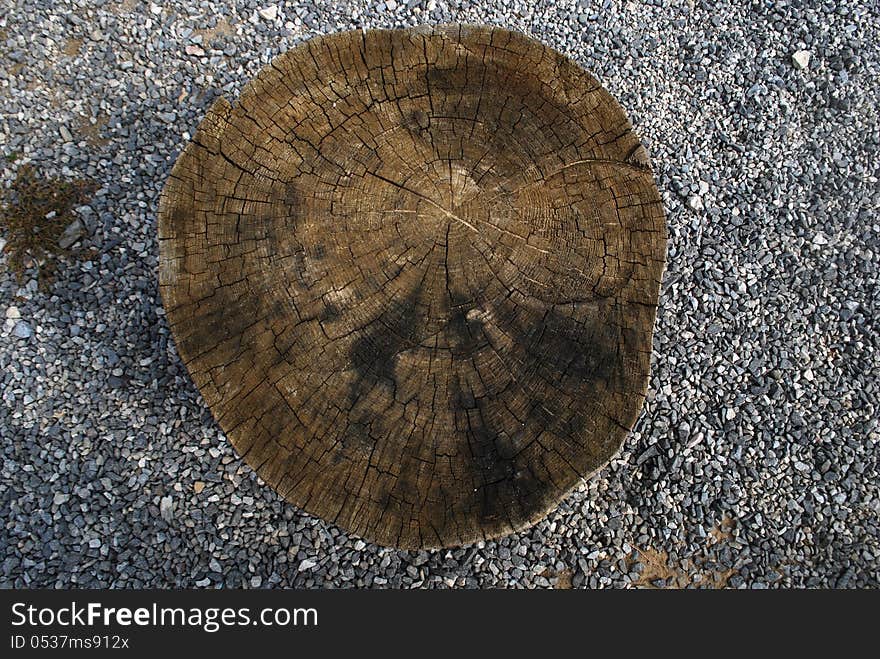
755, 460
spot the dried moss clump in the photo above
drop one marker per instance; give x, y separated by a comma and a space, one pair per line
35, 212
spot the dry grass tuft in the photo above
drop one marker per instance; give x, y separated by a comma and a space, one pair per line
35, 212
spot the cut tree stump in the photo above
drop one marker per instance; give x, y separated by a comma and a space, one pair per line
414, 275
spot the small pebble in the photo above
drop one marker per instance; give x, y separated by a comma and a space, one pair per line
269, 13
22, 330
801, 59
695, 203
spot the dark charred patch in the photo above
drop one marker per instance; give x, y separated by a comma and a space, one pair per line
574, 424
493, 455
484, 440
373, 353
560, 348
531, 492
419, 120
383, 497
405, 488
356, 437
393, 270
465, 335
329, 312
300, 267
446, 79
294, 202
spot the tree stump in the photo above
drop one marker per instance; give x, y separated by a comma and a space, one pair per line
414, 275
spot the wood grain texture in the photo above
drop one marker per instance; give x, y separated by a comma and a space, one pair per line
414, 274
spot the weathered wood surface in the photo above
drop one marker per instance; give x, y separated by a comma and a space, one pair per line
414, 275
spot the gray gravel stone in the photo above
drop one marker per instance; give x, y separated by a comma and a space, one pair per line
71, 234
269, 13
166, 508
22, 330
695, 203
801, 59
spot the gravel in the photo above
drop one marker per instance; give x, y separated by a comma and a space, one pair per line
755, 461
801, 59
